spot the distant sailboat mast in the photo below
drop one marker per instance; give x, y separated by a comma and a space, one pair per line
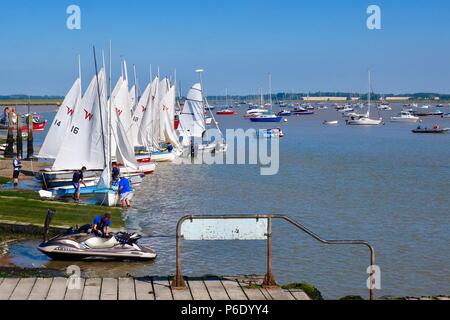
270, 92
100, 108
109, 102
79, 68
369, 97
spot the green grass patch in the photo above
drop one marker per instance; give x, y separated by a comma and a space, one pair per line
310, 290
253, 286
4, 180
16, 272
352, 298
26, 207
25, 194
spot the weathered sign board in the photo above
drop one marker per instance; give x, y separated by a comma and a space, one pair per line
224, 229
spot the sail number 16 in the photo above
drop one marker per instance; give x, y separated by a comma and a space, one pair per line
75, 130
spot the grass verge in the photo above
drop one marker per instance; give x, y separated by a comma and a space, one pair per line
4, 180
26, 207
310, 290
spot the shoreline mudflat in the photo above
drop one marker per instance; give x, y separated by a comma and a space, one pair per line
29, 167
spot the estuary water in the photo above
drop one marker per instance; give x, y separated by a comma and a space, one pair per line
382, 184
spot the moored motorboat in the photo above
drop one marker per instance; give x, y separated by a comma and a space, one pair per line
226, 112
270, 133
284, 113
266, 118
436, 130
331, 123
418, 113
298, 111
405, 116
346, 110
384, 107
256, 112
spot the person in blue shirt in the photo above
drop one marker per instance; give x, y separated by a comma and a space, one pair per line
101, 225
125, 192
17, 166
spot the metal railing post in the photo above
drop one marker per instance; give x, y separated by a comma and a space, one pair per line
372, 274
178, 281
269, 280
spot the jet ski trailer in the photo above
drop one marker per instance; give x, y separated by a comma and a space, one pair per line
80, 244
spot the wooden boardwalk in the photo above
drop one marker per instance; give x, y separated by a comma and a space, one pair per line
152, 288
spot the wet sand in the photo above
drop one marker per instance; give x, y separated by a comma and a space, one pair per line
28, 168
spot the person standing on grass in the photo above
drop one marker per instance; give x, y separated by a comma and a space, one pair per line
77, 180
17, 166
125, 192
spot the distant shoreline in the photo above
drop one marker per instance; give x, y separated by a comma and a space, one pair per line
58, 102
36, 102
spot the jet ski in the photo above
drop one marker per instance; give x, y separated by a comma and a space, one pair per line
80, 244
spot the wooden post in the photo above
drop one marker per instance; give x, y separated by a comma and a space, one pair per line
30, 147
9, 151
19, 140
192, 148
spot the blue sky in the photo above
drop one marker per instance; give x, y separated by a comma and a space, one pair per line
306, 45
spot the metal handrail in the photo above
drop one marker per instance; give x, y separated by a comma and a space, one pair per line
178, 281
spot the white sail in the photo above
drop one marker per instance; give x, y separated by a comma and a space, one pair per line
105, 179
145, 134
132, 98
167, 117
61, 123
192, 123
164, 88
85, 141
111, 105
122, 146
138, 115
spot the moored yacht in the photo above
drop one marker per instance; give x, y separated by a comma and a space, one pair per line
405, 116
365, 120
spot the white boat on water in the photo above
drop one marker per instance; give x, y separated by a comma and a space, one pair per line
365, 120
256, 112
331, 123
346, 110
352, 114
405, 116
384, 107
192, 129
